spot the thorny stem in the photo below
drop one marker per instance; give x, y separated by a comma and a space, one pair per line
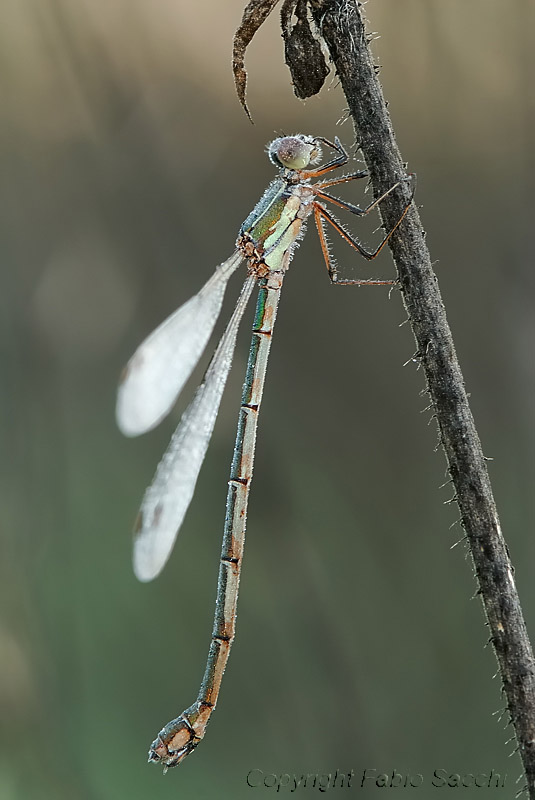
341, 26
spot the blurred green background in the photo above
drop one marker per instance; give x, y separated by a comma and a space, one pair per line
127, 168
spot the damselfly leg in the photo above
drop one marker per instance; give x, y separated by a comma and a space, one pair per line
321, 213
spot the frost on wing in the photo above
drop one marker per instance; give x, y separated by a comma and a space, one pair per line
158, 370
168, 497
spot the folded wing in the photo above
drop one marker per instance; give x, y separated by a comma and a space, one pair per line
168, 497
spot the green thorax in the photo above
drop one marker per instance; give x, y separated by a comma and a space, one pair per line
267, 213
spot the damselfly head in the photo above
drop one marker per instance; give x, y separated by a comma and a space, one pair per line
294, 152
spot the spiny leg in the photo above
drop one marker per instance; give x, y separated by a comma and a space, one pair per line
338, 161
321, 213
354, 209
319, 187
353, 176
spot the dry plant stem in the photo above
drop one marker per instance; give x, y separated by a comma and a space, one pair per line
342, 28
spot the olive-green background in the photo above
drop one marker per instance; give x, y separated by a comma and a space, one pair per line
127, 168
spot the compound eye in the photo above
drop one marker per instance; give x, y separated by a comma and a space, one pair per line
293, 152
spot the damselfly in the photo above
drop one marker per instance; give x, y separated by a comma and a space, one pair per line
157, 372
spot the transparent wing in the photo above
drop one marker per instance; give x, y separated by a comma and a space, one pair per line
158, 370
168, 497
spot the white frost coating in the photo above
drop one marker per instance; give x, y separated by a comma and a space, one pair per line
158, 370
167, 499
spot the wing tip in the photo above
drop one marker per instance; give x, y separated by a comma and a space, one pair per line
144, 569
146, 566
131, 419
